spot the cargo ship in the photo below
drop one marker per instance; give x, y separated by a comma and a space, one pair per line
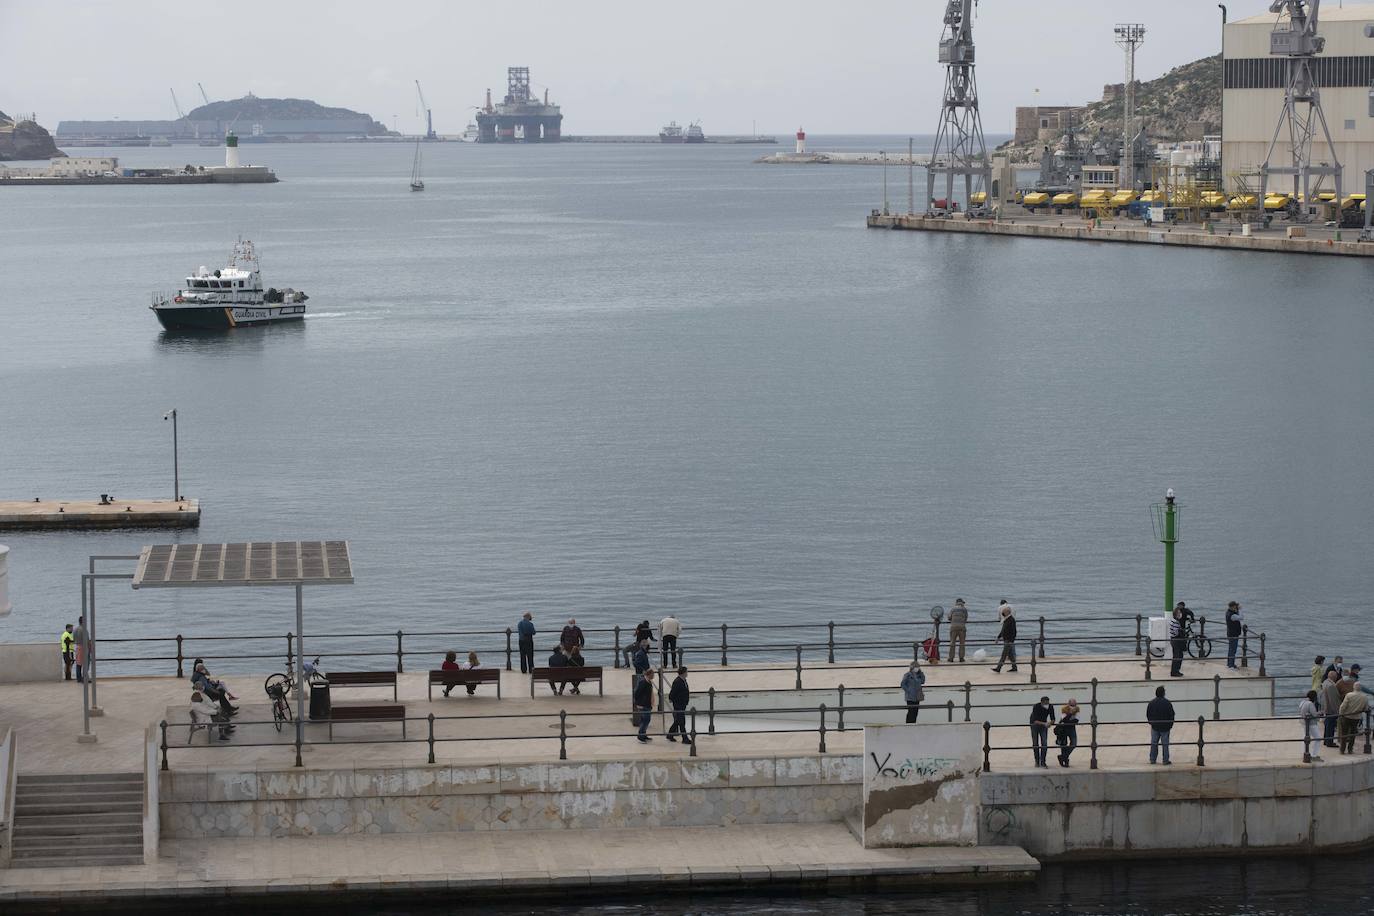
694, 134
671, 134
230, 297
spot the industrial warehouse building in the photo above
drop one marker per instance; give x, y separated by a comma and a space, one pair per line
1252, 97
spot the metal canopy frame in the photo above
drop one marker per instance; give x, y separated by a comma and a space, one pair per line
255, 564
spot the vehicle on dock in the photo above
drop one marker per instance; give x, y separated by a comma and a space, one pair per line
230, 297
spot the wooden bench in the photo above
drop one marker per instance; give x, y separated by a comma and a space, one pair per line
364, 679
568, 675
463, 677
387, 712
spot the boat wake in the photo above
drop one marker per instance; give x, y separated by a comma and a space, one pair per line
317, 315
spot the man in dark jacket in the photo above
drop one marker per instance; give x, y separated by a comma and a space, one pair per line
679, 695
557, 660
1160, 715
525, 630
644, 704
1233, 625
1178, 637
641, 657
572, 637
1007, 635
1331, 704
1041, 717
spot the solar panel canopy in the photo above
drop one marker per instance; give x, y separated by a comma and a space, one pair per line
244, 564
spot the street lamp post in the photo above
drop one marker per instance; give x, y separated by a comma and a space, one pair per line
176, 467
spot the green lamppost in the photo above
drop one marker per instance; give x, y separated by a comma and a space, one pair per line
1165, 520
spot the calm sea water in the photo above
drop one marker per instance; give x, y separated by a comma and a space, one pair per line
614, 380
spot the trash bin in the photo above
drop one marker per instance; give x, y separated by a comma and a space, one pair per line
319, 699
1159, 635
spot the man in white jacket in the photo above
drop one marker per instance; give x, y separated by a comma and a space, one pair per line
669, 629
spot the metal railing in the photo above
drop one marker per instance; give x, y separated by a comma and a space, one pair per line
698, 644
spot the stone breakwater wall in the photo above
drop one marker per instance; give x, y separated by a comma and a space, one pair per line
1077, 229
1159, 811
533, 796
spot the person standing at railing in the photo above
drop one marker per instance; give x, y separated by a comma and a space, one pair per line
640, 659
1007, 635
644, 704
958, 628
79, 641
1234, 622
1318, 672
1178, 638
1066, 732
66, 641
1337, 665
525, 629
1331, 705
913, 690
670, 628
1160, 715
1041, 717
1352, 711
1311, 723
680, 695
572, 637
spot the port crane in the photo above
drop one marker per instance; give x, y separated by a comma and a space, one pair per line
429, 115
177, 105
202, 93
1298, 42
959, 146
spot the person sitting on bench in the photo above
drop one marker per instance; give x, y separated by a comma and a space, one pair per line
575, 660
472, 665
558, 660
450, 664
208, 712
213, 689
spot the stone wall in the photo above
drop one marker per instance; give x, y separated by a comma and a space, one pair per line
425, 799
22, 663
1165, 811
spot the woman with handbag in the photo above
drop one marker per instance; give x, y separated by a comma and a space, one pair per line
1066, 732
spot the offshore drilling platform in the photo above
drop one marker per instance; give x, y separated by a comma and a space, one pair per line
520, 118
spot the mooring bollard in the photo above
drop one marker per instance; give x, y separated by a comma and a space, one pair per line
1216, 696
1261, 671
431, 737
1032, 656
711, 711
1138, 621
180, 657
400, 654
839, 722
968, 700
562, 734
987, 747
830, 642
1201, 721
822, 710
163, 726
799, 652
1306, 739
1245, 645
724, 659
508, 666
693, 751
1042, 638
616, 630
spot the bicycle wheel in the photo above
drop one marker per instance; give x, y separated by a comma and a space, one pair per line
275, 682
281, 713
1199, 647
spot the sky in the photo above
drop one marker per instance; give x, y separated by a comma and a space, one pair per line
616, 67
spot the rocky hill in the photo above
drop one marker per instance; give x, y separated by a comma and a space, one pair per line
1183, 104
25, 140
252, 108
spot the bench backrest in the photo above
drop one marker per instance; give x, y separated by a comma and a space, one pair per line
346, 678
464, 675
584, 673
390, 711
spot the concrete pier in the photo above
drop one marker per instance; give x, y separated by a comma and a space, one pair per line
49, 514
1318, 240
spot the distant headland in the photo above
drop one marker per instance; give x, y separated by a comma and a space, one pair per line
21, 137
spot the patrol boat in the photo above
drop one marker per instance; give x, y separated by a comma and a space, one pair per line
230, 297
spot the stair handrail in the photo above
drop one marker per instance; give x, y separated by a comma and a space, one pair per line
9, 780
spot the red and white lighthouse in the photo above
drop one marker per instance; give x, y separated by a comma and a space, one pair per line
801, 141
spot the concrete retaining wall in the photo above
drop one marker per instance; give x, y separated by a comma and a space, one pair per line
1166, 811
425, 799
25, 662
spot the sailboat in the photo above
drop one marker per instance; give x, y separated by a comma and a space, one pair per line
415, 183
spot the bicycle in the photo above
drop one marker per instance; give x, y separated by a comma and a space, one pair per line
1197, 646
279, 686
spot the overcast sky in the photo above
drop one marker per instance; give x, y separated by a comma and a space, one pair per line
615, 67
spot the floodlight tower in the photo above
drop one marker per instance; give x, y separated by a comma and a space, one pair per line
1129, 36
959, 146
1298, 41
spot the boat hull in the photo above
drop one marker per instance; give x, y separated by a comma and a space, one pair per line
225, 317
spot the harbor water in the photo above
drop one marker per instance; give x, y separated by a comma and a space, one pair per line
611, 381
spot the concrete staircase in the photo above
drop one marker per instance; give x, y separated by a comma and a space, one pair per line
78, 819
